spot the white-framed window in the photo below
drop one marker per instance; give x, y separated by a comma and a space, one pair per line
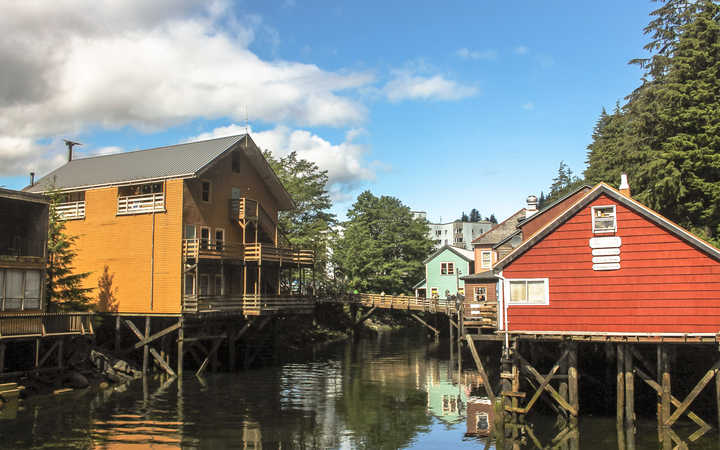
447, 268
190, 231
20, 290
480, 294
219, 239
486, 259
205, 191
532, 291
604, 219
189, 284
204, 237
434, 292
219, 284
204, 285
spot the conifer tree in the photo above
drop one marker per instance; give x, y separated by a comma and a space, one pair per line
63, 287
107, 294
474, 215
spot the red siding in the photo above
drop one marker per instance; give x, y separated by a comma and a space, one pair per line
664, 284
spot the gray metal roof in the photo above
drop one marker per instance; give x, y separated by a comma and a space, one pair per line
173, 161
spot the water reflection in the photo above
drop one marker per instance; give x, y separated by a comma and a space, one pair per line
393, 392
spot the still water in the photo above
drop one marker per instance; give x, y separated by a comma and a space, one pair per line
396, 391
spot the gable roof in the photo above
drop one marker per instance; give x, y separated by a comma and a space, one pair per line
467, 255
598, 190
500, 231
557, 202
187, 160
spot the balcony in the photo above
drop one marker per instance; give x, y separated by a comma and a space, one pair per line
24, 325
139, 204
249, 305
21, 252
268, 252
243, 210
70, 210
208, 249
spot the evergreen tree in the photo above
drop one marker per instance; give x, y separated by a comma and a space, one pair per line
382, 247
492, 219
63, 287
474, 215
464, 217
107, 294
541, 200
564, 182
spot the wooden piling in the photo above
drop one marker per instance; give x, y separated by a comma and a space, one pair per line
666, 396
573, 395
2, 357
117, 334
620, 386
180, 349
60, 353
146, 348
717, 397
629, 389
37, 353
563, 387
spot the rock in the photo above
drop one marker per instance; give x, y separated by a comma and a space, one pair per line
76, 380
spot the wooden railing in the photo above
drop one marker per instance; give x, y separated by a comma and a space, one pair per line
135, 204
243, 209
23, 325
249, 304
21, 250
480, 314
214, 249
70, 210
267, 252
407, 302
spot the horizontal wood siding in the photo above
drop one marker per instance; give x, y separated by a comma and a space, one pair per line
124, 243
664, 284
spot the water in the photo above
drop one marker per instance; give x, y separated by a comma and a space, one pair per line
392, 392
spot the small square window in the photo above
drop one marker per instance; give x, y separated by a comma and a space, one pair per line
604, 219
447, 268
480, 294
206, 191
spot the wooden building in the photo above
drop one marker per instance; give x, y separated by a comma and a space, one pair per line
443, 269
185, 228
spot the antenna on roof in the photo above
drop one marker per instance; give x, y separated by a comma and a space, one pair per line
70, 145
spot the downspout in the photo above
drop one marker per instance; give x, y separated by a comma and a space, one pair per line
504, 307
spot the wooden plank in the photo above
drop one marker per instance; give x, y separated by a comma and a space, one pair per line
48, 353
156, 336
693, 394
210, 354
539, 378
481, 369
435, 330
545, 382
629, 389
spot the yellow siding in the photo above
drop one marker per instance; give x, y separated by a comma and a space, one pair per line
125, 243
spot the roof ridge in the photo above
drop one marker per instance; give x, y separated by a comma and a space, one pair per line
155, 148
497, 225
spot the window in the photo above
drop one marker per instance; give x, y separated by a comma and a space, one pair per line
20, 290
483, 422
486, 259
236, 162
604, 220
219, 239
447, 268
189, 232
204, 285
480, 294
204, 238
434, 292
189, 284
219, 285
438, 232
528, 292
205, 191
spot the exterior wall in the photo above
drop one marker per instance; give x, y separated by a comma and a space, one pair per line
463, 239
125, 244
664, 284
478, 249
216, 213
491, 291
433, 278
549, 215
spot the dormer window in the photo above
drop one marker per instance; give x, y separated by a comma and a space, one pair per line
604, 219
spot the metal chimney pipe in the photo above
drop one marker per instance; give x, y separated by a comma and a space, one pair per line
32, 179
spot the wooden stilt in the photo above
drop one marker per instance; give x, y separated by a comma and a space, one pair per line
573, 395
717, 396
146, 348
60, 349
620, 386
666, 395
563, 387
117, 334
37, 353
180, 349
629, 390
2, 357
481, 369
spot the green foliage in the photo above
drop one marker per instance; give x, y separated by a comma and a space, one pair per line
382, 247
464, 217
492, 219
564, 182
666, 136
63, 287
475, 215
107, 295
309, 225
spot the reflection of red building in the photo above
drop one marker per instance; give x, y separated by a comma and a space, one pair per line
479, 416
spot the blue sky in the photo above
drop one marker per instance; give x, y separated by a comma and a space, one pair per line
448, 106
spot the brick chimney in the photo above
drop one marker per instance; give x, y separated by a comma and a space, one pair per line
624, 185
531, 208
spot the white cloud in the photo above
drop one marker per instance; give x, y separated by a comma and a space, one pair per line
528, 106
465, 53
406, 85
521, 50
345, 162
74, 65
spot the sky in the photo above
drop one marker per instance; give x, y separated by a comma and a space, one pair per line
447, 106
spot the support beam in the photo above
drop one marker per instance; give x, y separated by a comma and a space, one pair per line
693, 394
2, 357
154, 337
146, 348
481, 369
364, 317
48, 353
545, 383
539, 378
629, 390
156, 356
665, 394
118, 330
434, 330
620, 387
573, 395
180, 348
210, 355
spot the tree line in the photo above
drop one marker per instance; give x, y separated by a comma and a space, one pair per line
665, 135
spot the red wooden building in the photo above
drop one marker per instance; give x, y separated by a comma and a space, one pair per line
607, 264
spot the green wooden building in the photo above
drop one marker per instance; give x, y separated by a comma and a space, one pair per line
443, 270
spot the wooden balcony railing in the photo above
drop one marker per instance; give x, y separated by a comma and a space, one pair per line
136, 204
243, 209
23, 325
267, 252
21, 250
250, 304
70, 210
404, 302
211, 249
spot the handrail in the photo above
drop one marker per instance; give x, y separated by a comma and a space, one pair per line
134, 204
70, 210
23, 324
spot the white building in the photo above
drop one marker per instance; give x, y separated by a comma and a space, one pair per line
458, 234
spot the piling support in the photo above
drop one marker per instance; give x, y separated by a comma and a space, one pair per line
563, 387
37, 353
117, 334
620, 386
629, 389
146, 348
2, 357
573, 395
180, 349
666, 395
717, 397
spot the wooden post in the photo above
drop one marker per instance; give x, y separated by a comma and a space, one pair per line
2, 357
146, 348
180, 354
37, 353
60, 353
572, 373
117, 334
515, 388
629, 390
620, 386
563, 387
452, 339
666, 395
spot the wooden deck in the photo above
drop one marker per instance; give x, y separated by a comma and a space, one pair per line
249, 305
252, 252
38, 325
